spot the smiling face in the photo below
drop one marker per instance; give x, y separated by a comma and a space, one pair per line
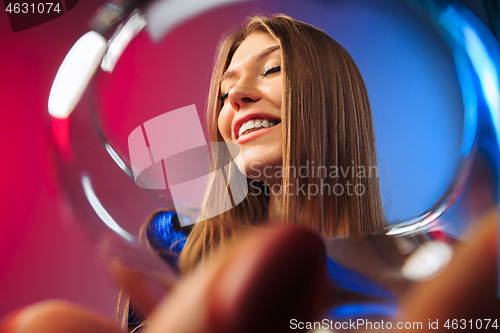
326, 121
251, 93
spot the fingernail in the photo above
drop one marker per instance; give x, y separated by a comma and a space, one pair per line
10, 322
275, 278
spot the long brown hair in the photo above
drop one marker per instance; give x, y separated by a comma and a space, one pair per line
327, 128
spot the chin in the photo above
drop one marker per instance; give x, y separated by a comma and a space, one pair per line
263, 170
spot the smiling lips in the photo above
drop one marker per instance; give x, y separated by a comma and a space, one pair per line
255, 125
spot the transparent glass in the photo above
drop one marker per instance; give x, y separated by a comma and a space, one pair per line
431, 69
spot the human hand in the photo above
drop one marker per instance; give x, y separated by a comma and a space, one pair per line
467, 289
255, 286
248, 289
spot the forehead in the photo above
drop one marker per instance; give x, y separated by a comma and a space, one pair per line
252, 47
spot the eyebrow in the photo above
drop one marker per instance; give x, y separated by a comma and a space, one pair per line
264, 53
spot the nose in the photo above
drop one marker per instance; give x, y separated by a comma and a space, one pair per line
243, 94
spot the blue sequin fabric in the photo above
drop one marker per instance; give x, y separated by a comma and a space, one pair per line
166, 235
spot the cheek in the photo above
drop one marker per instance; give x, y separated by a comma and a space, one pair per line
276, 93
224, 124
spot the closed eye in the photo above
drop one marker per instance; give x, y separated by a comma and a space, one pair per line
265, 72
270, 70
223, 97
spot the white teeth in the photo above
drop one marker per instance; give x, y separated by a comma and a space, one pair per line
255, 124
242, 129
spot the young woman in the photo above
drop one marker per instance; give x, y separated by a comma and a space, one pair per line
281, 70
294, 102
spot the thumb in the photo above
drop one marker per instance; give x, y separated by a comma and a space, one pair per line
57, 316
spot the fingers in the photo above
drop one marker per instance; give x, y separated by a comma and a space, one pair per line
57, 317
144, 277
467, 289
257, 286
144, 288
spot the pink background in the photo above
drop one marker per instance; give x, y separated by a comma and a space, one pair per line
41, 256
